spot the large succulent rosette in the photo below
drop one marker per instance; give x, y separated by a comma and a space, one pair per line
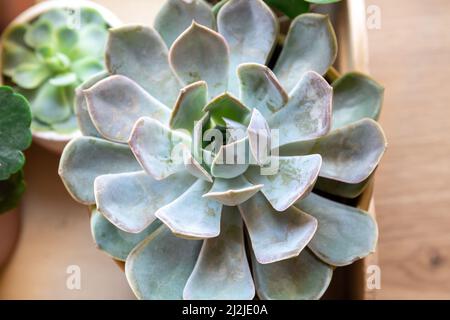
196, 87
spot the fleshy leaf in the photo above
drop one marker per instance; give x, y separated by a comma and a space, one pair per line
14, 55
15, 135
189, 106
52, 104
310, 46
260, 89
130, 200
342, 189
87, 68
345, 234
30, 76
301, 278
195, 168
294, 180
291, 8
86, 158
16, 34
92, 42
222, 271
227, 106
66, 39
158, 268
350, 154
157, 148
192, 216
177, 15
40, 34
64, 80
250, 29
355, 97
276, 236
115, 242
85, 124
232, 160
140, 54
231, 192
307, 115
259, 137
68, 126
116, 103
199, 54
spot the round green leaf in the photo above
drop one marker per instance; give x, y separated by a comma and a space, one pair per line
15, 134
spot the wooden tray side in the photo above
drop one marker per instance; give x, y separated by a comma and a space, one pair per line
354, 56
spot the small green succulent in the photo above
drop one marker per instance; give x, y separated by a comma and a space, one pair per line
190, 143
15, 136
48, 57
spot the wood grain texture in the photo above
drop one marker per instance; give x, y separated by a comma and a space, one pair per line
410, 56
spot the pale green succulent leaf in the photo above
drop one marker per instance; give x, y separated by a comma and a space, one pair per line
250, 29
350, 154
345, 234
87, 68
90, 16
92, 42
68, 126
85, 123
158, 149
86, 158
227, 106
56, 18
222, 271
159, 267
66, 39
130, 200
195, 168
310, 46
30, 75
355, 97
189, 106
117, 102
307, 115
294, 179
116, 243
304, 277
51, 104
15, 55
177, 15
40, 34
342, 189
191, 216
232, 160
16, 34
64, 79
140, 54
199, 54
260, 89
232, 192
235, 130
276, 236
259, 138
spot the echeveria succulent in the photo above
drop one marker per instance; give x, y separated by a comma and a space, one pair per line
48, 57
166, 129
15, 136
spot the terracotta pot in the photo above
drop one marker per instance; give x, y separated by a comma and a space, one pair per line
9, 230
49, 139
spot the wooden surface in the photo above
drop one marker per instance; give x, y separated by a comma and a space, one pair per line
410, 56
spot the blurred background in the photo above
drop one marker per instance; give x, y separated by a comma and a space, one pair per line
409, 55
